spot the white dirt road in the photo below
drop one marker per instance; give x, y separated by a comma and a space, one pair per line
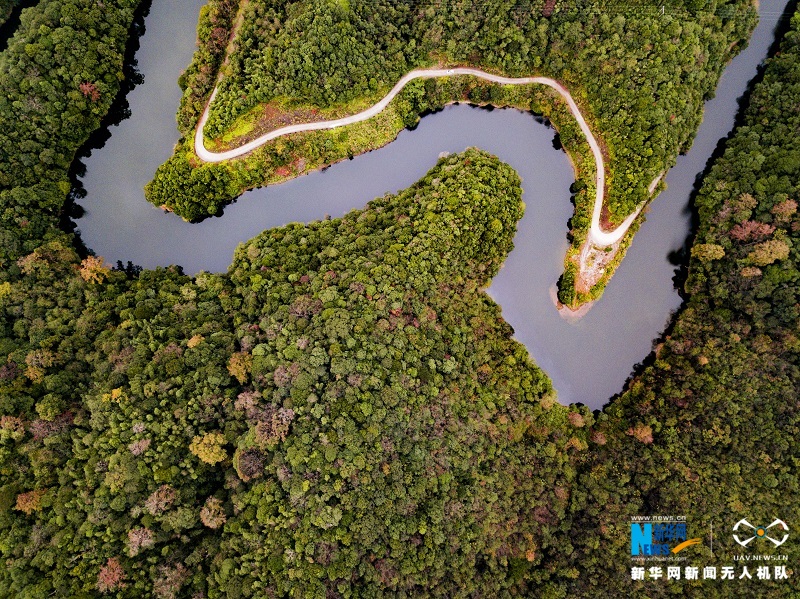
597, 236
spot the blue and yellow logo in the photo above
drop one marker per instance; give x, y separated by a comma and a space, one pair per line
659, 538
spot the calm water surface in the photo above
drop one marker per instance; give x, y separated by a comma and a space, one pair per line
588, 362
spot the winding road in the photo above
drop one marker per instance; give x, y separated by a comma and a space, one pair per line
597, 236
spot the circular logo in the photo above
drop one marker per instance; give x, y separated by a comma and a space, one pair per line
761, 532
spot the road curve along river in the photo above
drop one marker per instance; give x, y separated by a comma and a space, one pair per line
597, 236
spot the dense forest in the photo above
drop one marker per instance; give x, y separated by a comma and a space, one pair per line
58, 77
347, 392
345, 412
710, 429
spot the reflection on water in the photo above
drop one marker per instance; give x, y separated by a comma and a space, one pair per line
588, 361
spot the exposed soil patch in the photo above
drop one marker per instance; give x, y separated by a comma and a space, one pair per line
594, 262
272, 117
605, 215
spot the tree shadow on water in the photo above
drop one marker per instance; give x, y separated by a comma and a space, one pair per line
118, 112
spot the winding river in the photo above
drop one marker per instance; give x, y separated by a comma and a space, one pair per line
597, 236
588, 361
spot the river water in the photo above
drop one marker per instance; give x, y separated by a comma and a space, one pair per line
588, 362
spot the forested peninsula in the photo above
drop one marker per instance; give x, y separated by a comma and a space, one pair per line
345, 413
281, 63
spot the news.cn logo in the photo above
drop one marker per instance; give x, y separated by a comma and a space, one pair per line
660, 536
760, 532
